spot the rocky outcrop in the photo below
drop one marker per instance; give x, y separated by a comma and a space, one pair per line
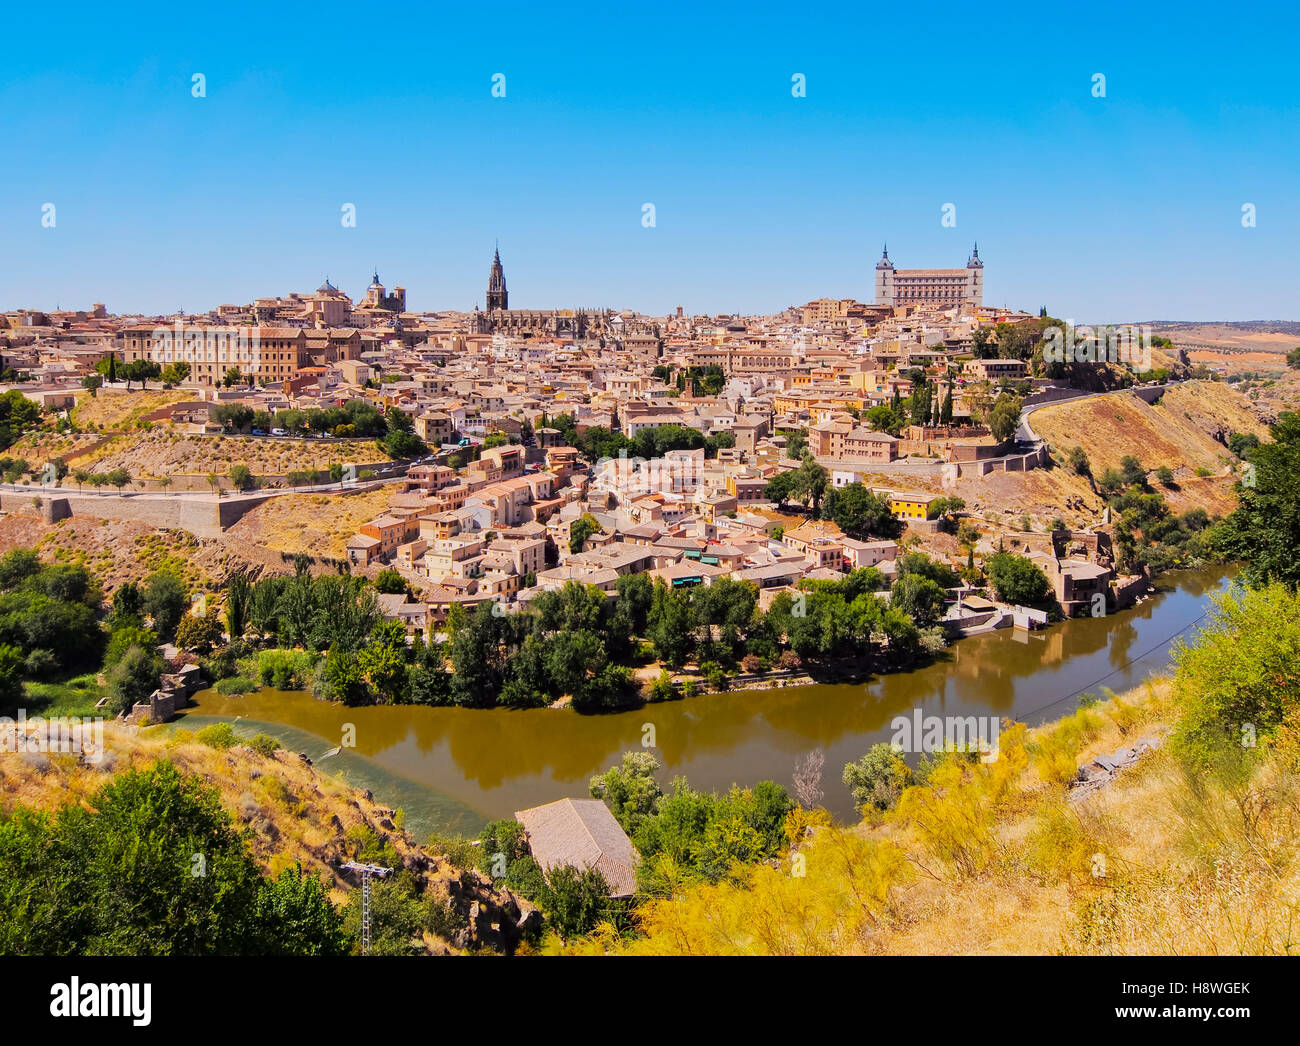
1101, 771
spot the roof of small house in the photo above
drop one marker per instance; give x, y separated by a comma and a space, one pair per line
582, 833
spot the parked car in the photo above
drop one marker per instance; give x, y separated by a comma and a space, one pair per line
279, 432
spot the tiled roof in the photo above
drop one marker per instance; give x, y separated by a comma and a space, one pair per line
582, 833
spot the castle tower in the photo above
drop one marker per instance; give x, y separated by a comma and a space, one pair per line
975, 278
885, 279
497, 296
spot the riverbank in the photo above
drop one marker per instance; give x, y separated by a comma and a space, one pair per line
496, 761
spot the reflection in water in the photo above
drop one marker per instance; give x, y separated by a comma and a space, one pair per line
496, 761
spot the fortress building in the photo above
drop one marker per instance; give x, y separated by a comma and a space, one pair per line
940, 288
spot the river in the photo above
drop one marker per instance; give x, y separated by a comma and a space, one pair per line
454, 768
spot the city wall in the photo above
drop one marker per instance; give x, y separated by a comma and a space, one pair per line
205, 517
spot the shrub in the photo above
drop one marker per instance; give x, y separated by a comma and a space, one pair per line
663, 688
878, 778
217, 735
264, 744
236, 685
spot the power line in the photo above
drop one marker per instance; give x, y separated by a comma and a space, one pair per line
1126, 664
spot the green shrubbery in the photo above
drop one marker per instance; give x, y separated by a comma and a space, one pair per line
152, 865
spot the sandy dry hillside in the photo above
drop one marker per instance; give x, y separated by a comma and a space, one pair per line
318, 524
116, 409
1178, 431
164, 453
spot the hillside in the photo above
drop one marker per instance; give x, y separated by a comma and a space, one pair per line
1182, 430
318, 524
162, 452
116, 409
996, 859
293, 814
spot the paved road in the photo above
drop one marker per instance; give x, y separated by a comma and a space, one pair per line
1026, 434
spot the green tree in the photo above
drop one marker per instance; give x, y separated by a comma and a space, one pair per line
165, 600
629, 789
241, 477
576, 901
390, 582
133, 679
878, 778
580, 530
1004, 417
919, 598
857, 510
1264, 530
198, 633
1016, 579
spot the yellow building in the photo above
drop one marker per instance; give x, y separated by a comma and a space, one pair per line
912, 505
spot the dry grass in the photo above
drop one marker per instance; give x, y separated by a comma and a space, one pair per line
115, 409
993, 859
1177, 431
318, 524
163, 452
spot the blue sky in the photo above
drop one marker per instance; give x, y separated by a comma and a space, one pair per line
1127, 207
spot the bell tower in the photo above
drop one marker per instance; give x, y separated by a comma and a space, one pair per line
497, 296
885, 279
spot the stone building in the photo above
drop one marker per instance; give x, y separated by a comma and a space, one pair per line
939, 288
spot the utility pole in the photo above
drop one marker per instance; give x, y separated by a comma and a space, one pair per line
366, 870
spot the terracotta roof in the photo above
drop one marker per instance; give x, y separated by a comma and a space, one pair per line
582, 833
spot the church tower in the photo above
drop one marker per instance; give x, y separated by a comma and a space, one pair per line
497, 296
975, 278
885, 279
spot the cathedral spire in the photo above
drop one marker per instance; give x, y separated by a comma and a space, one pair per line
497, 296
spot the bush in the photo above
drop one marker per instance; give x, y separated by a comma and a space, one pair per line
236, 685
663, 688
264, 744
1237, 683
878, 778
285, 669
217, 735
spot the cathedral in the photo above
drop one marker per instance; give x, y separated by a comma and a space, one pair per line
499, 318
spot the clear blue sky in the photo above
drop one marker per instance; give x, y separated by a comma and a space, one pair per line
1127, 207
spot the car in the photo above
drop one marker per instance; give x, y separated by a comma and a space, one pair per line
278, 432
258, 432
